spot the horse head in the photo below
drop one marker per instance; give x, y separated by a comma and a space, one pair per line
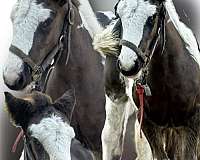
38, 33
48, 134
142, 23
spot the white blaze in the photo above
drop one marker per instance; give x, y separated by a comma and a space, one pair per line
55, 135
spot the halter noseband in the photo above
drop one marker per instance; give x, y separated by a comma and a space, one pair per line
45, 66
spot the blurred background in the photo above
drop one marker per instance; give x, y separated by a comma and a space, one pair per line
188, 10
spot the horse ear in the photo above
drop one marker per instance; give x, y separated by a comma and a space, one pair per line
17, 108
65, 104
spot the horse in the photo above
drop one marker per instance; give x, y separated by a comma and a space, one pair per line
120, 138
52, 51
48, 133
158, 56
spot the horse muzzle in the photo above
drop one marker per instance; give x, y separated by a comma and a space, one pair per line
17, 81
133, 70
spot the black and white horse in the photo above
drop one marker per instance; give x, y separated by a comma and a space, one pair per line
47, 32
48, 134
159, 56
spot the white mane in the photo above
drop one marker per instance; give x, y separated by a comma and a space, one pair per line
89, 19
185, 32
55, 135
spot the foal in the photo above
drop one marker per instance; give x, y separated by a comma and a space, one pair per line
46, 126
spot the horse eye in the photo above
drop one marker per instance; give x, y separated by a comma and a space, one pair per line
47, 23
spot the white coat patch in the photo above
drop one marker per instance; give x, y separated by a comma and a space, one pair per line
89, 19
185, 32
55, 135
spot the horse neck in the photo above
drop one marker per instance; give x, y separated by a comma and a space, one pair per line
175, 62
80, 45
83, 62
175, 46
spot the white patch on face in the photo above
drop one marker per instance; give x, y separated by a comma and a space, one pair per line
55, 135
185, 32
26, 16
134, 15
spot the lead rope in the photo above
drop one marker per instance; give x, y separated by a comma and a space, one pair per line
20, 135
140, 92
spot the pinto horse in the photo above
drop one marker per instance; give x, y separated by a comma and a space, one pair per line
48, 134
159, 58
52, 51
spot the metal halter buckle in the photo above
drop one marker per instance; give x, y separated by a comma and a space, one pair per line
37, 73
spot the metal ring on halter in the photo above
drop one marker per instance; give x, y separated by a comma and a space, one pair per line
61, 39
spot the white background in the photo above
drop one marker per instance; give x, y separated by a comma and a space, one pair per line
6, 139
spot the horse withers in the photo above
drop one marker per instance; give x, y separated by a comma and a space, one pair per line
161, 55
46, 125
54, 32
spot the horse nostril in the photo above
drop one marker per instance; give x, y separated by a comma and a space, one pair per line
17, 81
20, 80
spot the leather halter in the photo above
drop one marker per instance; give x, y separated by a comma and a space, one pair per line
45, 65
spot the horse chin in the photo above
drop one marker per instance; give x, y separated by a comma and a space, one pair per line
107, 42
22, 82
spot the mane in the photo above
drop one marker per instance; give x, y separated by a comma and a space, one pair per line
185, 32
107, 41
89, 19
